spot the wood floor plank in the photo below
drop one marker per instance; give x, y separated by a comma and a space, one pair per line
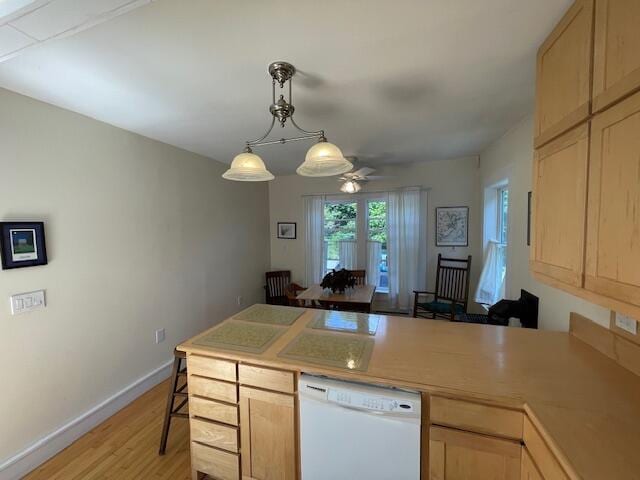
125, 446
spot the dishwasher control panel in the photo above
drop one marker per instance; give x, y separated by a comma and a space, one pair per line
369, 402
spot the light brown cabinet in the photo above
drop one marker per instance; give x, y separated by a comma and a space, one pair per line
616, 67
541, 456
267, 435
586, 180
559, 207
613, 234
563, 90
457, 455
238, 431
528, 469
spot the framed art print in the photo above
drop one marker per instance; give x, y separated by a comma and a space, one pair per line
287, 230
22, 244
452, 226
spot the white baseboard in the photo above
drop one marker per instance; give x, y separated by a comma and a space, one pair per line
40, 451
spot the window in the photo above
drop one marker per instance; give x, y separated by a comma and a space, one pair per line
503, 231
357, 241
491, 286
340, 226
503, 218
377, 233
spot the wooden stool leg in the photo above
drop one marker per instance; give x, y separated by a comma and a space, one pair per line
167, 416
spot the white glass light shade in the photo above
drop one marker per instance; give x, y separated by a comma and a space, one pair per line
324, 159
248, 167
350, 187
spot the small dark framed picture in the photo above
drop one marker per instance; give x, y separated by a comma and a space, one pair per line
22, 244
287, 230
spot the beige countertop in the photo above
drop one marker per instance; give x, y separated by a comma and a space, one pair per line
588, 406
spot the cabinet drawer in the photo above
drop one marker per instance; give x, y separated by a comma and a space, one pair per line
541, 454
476, 417
277, 380
212, 410
206, 387
211, 367
215, 463
454, 454
214, 434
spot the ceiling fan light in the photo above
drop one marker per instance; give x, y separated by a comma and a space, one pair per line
350, 186
248, 167
324, 159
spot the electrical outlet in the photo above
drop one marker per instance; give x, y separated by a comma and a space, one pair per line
239, 300
25, 302
627, 324
160, 335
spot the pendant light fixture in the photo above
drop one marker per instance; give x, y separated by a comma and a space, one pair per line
323, 159
248, 167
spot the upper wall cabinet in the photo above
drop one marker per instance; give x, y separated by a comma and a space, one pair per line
613, 232
616, 68
563, 97
559, 214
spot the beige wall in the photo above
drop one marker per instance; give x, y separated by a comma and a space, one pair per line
511, 158
140, 236
453, 182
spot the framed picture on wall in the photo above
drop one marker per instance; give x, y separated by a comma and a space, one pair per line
22, 244
287, 230
452, 226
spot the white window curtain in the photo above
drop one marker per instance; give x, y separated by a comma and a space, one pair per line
491, 285
347, 252
314, 238
374, 257
406, 245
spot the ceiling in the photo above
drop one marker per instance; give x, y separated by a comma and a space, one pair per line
25, 24
389, 82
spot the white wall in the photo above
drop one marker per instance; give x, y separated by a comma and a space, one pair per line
453, 182
140, 236
511, 158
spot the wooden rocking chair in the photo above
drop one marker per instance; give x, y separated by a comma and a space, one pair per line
451, 294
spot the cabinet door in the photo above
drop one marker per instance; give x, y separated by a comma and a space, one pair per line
616, 62
559, 207
458, 455
267, 435
563, 90
528, 469
613, 234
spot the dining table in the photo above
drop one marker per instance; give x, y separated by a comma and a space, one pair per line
355, 299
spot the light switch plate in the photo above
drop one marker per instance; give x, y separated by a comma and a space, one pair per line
160, 335
627, 324
26, 302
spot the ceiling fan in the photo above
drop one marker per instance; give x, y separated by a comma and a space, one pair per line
352, 180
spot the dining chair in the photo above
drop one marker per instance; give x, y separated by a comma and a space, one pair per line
276, 283
360, 276
291, 291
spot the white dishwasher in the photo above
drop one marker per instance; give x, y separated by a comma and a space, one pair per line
355, 431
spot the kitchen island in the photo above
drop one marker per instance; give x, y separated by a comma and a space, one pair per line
519, 403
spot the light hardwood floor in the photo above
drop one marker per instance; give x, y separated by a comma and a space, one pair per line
125, 446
